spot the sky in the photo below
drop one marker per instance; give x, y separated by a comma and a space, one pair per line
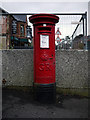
45, 0
27, 6
47, 7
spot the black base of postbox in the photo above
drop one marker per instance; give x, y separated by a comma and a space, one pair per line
45, 93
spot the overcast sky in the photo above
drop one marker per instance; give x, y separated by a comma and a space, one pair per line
44, 7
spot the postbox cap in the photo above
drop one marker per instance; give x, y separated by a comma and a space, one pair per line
44, 18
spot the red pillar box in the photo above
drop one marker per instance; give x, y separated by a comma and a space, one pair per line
44, 55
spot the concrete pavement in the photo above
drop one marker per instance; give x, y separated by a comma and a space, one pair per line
19, 104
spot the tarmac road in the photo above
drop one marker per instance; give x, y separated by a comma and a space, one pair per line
18, 104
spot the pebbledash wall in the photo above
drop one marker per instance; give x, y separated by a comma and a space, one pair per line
71, 68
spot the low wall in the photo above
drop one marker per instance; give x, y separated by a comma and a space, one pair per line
0, 85
17, 67
0, 69
71, 68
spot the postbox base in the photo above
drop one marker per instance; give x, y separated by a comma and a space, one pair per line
45, 93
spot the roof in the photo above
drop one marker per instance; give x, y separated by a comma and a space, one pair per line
17, 17
20, 17
3, 11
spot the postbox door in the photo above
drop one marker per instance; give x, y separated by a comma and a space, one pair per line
45, 57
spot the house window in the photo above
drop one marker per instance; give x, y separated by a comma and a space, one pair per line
22, 30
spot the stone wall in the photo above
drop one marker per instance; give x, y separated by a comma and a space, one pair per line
71, 68
17, 67
89, 18
0, 85
0, 69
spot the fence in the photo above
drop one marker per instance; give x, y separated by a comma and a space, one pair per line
71, 26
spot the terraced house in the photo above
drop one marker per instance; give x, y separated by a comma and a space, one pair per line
14, 31
4, 29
